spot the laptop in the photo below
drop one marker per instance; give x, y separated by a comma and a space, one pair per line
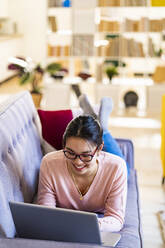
59, 224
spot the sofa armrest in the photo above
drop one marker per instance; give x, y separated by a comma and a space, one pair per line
127, 149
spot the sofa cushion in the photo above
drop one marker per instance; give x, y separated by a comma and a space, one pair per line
132, 231
53, 125
32, 243
20, 156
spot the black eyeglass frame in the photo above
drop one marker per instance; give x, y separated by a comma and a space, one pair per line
79, 155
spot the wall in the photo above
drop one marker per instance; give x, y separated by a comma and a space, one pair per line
30, 16
9, 47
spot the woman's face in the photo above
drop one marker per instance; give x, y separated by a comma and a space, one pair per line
78, 146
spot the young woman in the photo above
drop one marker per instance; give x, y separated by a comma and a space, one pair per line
83, 177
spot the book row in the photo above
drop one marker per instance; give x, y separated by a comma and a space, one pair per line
143, 25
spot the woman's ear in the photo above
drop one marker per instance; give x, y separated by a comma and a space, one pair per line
100, 148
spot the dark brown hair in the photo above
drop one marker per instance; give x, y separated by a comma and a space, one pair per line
85, 127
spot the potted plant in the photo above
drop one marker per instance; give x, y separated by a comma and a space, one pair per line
111, 71
30, 73
56, 71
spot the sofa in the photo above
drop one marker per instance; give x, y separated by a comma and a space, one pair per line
21, 151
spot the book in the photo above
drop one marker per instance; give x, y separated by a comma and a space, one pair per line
52, 23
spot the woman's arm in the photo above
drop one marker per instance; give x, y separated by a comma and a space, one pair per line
46, 193
115, 204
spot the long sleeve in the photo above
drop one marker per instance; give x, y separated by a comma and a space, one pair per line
115, 205
46, 193
109, 224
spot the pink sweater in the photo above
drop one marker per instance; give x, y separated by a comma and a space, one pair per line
107, 193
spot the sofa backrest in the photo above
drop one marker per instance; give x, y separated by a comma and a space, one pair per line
20, 156
127, 150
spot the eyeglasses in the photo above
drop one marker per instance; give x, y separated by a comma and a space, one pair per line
83, 157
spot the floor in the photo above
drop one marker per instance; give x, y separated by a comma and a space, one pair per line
145, 134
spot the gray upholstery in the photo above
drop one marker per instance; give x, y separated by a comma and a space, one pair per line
127, 149
20, 157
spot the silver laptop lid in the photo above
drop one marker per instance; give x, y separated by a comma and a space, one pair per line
41, 222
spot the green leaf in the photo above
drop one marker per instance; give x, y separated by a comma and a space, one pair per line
53, 67
111, 71
25, 78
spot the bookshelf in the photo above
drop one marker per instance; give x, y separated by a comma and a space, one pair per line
133, 30
90, 35
70, 36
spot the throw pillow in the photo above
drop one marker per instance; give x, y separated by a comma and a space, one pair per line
53, 125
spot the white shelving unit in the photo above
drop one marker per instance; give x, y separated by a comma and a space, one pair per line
132, 24
128, 23
72, 41
79, 37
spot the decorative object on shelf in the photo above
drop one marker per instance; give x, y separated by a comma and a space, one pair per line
115, 63
56, 71
84, 75
159, 52
66, 3
130, 99
159, 74
111, 71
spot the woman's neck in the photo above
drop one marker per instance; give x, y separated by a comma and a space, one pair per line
83, 182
